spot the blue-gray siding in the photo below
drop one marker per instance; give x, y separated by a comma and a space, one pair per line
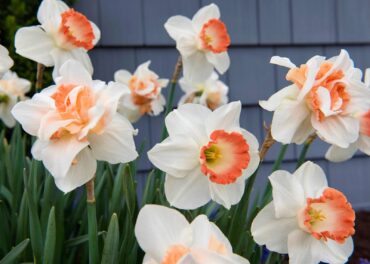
132, 32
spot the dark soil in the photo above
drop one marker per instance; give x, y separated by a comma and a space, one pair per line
361, 238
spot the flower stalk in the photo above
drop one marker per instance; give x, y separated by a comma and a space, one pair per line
306, 146
39, 76
267, 144
92, 224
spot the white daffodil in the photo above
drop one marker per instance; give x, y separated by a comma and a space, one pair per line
211, 93
337, 154
12, 89
206, 156
168, 238
143, 92
306, 219
63, 34
76, 123
325, 97
5, 61
202, 42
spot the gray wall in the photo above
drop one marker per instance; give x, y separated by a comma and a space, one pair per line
132, 32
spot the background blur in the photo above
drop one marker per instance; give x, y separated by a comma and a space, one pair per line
133, 32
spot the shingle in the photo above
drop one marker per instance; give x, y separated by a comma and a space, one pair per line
240, 17
250, 119
353, 21
251, 77
274, 21
121, 22
353, 179
107, 61
156, 14
313, 21
90, 10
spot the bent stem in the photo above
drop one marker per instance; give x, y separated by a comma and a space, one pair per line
173, 83
39, 76
307, 144
92, 225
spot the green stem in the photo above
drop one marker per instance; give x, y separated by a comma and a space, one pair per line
92, 225
171, 95
306, 146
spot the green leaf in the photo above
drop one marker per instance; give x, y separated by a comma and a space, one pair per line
80, 240
111, 243
49, 246
129, 191
15, 252
93, 233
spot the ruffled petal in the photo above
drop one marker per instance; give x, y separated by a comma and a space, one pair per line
282, 61
122, 76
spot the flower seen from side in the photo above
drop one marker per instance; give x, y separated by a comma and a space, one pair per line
76, 123
211, 93
5, 61
63, 34
167, 237
207, 156
325, 97
143, 92
202, 41
306, 219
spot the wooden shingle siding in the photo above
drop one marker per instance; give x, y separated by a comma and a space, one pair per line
133, 32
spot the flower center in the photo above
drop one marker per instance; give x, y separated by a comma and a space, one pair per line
327, 96
77, 29
213, 100
224, 157
174, 254
143, 92
329, 216
73, 103
365, 124
214, 36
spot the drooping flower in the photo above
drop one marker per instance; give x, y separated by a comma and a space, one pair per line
12, 89
325, 97
63, 34
168, 238
211, 93
307, 219
206, 156
202, 42
5, 61
76, 123
144, 92
338, 154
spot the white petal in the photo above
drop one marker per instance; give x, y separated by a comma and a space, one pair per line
57, 155
339, 253
220, 61
282, 61
204, 230
49, 12
158, 227
116, 144
312, 179
97, 33
187, 46
30, 112
313, 66
289, 92
204, 15
79, 173
337, 154
225, 118
5, 61
268, 230
287, 193
325, 101
175, 156
188, 192
204, 256
360, 97
34, 44
122, 76
338, 130
71, 70
364, 144
83, 57
367, 76
188, 121
227, 194
178, 27
303, 132
253, 153
287, 120
5, 114
196, 67
50, 123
